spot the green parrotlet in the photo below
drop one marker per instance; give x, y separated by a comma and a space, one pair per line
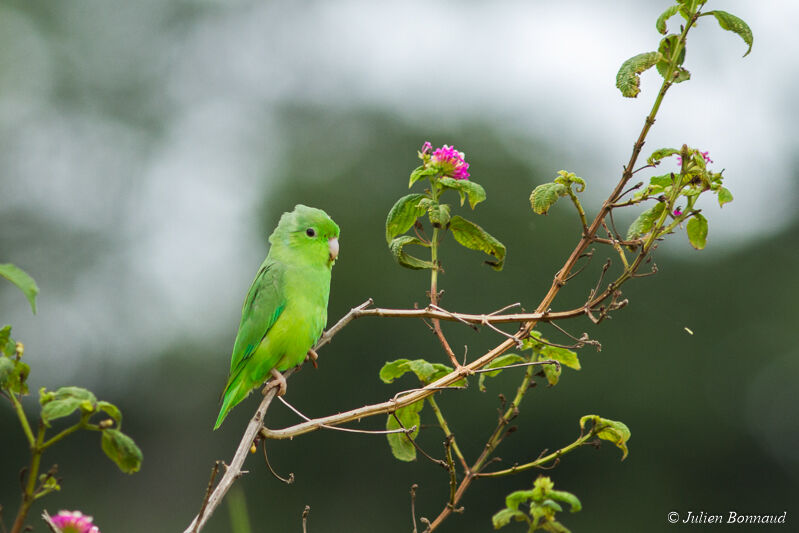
285, 311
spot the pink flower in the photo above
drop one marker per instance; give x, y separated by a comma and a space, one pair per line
451, 162
74, 522
427, 147
706, 156
677, 212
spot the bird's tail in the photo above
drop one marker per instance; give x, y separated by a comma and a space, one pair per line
235, 392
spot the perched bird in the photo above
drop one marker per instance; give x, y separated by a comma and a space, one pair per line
285, 311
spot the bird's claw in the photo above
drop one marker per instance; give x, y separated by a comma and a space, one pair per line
277, 381
313, 356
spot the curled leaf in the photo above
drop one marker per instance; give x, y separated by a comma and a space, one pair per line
611, 430
403, 215
628, 79
474, 237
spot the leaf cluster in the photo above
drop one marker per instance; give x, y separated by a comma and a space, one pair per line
537, 507
407, 212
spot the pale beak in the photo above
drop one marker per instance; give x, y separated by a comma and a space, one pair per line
333, 245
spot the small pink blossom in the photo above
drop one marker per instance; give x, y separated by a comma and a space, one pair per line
427, 147
705, 156
677, 212
451, 162
74, 522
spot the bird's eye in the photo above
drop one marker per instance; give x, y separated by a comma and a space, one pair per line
310, 232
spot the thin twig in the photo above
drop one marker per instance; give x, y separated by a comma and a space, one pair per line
214, 472
413, 505
519, 365
287, 481
439, 462
348, 430
305, 514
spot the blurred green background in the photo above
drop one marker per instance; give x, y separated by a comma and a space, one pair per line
147, 150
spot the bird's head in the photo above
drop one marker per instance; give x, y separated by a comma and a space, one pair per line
309, 233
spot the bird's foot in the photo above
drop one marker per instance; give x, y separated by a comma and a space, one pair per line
313, 356
277, 381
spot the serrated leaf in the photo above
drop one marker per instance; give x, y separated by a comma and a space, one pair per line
725, 196
503, 517
545, 195
474, 237
401, 447
660, 153
662, 181
23, 281
403, 258
59, 408
420, 173
439, 215
628, 79
122, 450
730, 22
403, 215
611, 430
473, 190
502, 360
112, 411
567, 178
697, 231
660, 24
645, 221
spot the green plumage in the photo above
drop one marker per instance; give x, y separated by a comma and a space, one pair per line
285, 311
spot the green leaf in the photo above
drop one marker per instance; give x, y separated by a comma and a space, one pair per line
502, 360
545, 195
7, 344
13, 375
439, 215
403, 258
663, 181
474, 237
567, 178
667, 47
564, 356
730, 22
660, 24
725, 196
6, 371
112, 411
568, 497
23, 281
425, 371
420, 173
628, 78
403, 215
503, 517
645, 221
616, 432
518, 497
660, 153
697, 231
122, 450
474, 190
59, 409
552, 372
401, 447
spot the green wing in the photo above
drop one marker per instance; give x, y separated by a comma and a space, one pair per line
264, 304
